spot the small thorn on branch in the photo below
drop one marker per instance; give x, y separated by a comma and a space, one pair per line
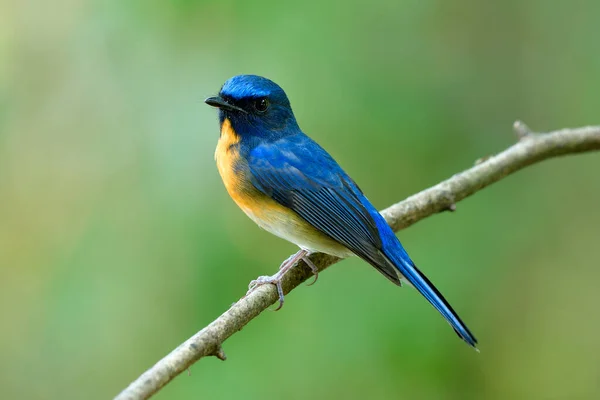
521, 130
451, 203
220, 354
482, 159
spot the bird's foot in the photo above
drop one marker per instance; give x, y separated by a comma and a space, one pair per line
264, 280
277, 278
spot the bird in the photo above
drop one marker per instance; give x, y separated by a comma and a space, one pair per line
291, 187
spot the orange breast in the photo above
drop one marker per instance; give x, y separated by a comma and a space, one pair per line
235, 174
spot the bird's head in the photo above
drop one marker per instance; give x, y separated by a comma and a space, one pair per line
255, 106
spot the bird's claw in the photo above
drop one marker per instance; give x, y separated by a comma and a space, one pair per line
313, 268
285, 266
264, 280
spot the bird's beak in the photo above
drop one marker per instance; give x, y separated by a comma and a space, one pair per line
221, 103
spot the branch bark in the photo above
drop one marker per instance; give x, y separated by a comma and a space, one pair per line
531, 148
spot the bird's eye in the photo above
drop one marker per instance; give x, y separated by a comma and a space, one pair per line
261, 104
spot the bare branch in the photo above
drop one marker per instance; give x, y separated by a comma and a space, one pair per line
530, 149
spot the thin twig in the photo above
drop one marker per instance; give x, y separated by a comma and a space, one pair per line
530, 148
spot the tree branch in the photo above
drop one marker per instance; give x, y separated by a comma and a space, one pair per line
530, 148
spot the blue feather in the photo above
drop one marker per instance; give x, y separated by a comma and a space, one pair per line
394, 250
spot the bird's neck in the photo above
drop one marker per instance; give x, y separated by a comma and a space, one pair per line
252, 129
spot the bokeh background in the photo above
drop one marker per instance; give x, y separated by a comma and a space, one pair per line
118, 240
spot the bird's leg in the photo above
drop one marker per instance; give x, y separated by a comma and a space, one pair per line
283, 268
312, 267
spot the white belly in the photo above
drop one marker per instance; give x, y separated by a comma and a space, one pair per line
294, 229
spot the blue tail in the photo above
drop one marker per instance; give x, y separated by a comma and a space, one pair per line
407, 268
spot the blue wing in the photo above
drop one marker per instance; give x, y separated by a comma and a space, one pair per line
298, 174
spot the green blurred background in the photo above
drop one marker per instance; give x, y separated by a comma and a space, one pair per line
118, 240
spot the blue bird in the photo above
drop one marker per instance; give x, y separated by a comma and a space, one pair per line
291, 187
